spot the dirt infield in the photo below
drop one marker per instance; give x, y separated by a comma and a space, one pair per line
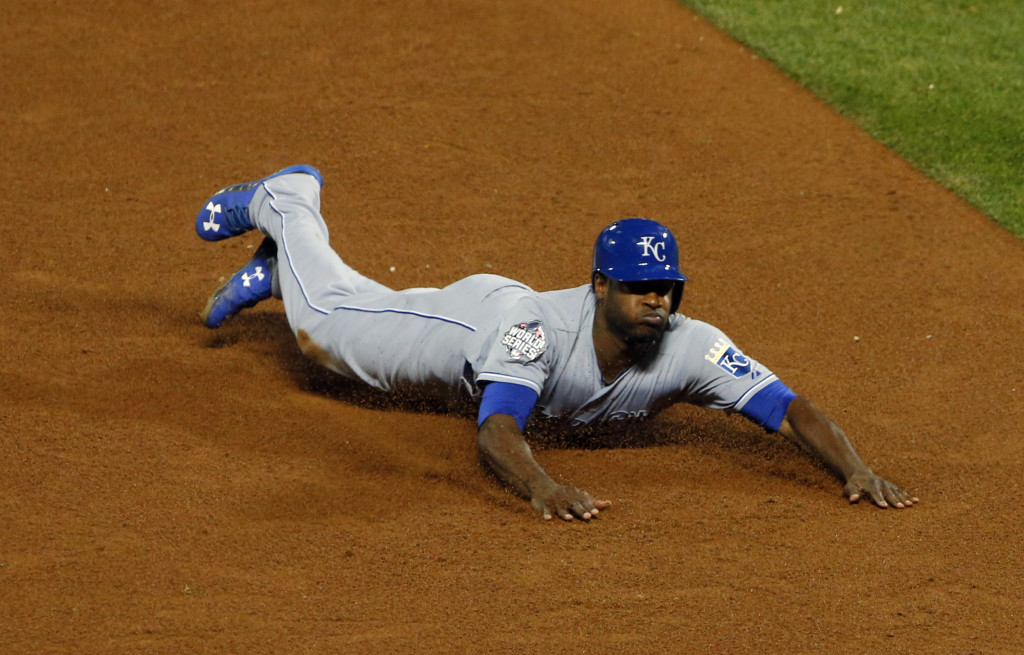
165, 488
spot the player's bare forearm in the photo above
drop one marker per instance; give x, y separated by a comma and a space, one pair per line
809, 428
505, 451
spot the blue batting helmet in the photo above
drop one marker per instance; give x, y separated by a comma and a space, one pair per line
638, 250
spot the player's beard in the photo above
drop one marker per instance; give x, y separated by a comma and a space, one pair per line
642, 340
638, 338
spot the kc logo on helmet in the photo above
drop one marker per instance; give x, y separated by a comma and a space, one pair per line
652, 249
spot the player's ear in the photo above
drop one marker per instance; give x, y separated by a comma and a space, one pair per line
599, 282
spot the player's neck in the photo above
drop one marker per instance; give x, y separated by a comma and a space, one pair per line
614, 353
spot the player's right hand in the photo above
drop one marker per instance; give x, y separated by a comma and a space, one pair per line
566, 502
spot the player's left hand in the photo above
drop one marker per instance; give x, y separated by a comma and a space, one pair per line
566, 502
881, 492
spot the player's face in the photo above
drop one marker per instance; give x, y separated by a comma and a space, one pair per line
635, 312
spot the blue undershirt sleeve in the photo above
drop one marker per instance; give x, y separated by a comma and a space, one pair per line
768, 408
515, 400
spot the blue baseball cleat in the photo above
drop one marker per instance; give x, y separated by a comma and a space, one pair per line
248, 286
226, 214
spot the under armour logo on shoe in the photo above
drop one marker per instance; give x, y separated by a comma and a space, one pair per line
212, 224
258, 276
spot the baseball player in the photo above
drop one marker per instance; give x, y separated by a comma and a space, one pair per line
611, 350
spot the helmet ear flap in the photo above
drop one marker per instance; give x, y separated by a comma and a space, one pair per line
677, 296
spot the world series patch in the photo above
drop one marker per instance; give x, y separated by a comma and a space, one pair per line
730, 359
525, 342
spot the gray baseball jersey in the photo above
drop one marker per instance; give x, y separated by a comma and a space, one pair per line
481, 329
694, 363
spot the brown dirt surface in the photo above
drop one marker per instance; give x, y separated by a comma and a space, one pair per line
165, 488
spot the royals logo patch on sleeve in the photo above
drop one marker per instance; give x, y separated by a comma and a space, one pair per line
730, 359
525, 342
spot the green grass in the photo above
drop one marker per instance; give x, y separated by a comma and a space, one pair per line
941, 82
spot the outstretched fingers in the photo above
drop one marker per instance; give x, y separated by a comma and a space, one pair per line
881, 492
897, 497
569, 503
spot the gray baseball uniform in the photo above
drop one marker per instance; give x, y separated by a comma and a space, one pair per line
485, 328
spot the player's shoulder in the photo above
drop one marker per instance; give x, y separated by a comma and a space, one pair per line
489, 283
570, 305
572, 295
695, 339
559, 311
686, 335
681, 325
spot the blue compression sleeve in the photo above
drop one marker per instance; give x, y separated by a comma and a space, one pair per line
769, 406
516, 400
